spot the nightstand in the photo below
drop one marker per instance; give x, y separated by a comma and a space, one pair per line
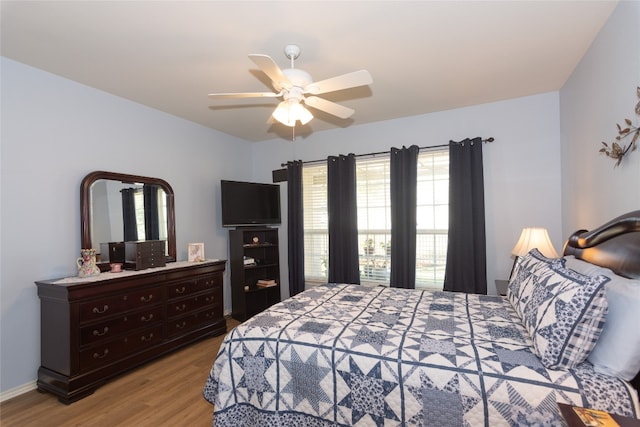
501, 286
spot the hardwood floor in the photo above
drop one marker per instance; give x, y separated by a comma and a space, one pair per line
166, 392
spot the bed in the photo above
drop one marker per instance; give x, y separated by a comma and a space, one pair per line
343, 355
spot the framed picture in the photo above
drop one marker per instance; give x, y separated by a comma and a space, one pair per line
196, 252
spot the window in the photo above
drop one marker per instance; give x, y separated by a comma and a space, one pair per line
316, 222
374, 219
432, 219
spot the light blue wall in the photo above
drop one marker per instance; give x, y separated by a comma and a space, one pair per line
54, 132
600, 93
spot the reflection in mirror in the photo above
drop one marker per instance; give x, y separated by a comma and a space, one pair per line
127, 212
119, 207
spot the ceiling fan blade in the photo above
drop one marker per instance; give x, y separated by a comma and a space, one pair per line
329, 107
345, 81
271, 69
245, 95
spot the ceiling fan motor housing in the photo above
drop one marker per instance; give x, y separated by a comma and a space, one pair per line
295, 93
297, 78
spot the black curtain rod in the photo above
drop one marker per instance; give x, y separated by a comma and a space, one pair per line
490, 139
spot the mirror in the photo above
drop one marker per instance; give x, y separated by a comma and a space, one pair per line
102, 197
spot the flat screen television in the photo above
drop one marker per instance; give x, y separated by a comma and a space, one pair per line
249, 203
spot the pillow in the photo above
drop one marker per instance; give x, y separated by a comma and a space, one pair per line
518, 288
563, 311
586, 268
617, 352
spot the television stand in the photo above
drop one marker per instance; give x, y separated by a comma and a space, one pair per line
255, 270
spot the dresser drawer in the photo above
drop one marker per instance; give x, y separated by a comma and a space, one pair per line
183, 306
108, 329
120, 347
112, 305
182, 325
187, 287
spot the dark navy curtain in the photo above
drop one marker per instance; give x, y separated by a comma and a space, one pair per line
466, 269
295, 227
129, 214
343, 220
151, 220
403, 192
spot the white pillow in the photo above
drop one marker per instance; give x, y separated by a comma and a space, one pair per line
617, 351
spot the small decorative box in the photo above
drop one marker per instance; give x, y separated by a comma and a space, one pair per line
144, 254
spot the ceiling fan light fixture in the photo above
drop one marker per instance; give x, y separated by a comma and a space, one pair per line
292, 84
290, 111
303, 114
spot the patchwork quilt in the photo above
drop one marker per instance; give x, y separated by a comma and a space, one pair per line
350, 355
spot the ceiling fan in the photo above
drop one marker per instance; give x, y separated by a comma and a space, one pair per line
296, 87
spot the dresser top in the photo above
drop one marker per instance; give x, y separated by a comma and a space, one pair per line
70, 281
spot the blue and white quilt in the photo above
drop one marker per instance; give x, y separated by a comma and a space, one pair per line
350, 355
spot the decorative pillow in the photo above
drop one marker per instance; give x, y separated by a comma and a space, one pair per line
563, 311
617, 351
519, 289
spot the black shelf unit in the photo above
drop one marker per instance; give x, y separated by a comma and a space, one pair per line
261, 244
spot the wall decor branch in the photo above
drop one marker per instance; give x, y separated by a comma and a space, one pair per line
618, 150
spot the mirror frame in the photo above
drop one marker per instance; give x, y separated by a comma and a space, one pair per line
85, 206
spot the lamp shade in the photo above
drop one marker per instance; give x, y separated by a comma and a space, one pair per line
534, 237
289, 111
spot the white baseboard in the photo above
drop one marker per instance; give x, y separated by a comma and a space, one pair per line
17, 391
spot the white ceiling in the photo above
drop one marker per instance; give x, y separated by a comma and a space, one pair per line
424, 56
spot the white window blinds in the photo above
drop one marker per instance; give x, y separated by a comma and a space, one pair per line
316, 234
432, 219
374, 219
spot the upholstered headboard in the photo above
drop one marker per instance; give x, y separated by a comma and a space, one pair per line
614, 245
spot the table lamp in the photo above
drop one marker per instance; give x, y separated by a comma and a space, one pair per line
533, 237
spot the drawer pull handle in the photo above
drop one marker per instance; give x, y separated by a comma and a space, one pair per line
147, 319
181, 290
101, 356
181, 307
98, 311
97, 333
209, 299
143, 299
181, 325
146, 338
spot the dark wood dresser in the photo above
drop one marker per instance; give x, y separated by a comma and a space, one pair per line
96, 328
